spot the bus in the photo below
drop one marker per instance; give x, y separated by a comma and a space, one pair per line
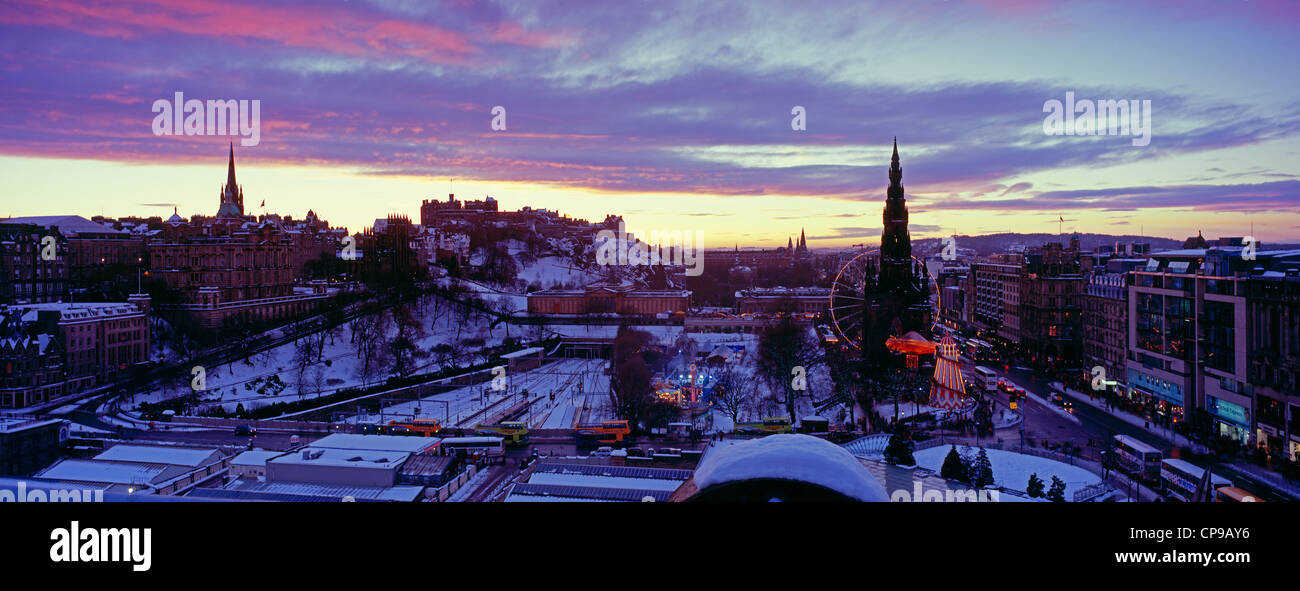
1232, 494
416, 427
1179, 479
988, 379
473, 447
514, 432
767, 426
609, 432
979, 350
1138, 459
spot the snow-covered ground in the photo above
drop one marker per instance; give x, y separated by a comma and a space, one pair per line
1012, 470
237, 383
905, 409
505, 301
554, 271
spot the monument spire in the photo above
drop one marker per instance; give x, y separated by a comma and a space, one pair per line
895, 171
895, 242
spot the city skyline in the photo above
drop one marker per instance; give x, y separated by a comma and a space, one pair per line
666, 122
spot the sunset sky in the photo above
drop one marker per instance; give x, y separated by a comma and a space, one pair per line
676, 115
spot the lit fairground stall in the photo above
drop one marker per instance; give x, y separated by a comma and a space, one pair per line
689, 388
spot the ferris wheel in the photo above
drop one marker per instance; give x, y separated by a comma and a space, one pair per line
846, 305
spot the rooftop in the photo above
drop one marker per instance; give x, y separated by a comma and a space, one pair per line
343, 458
245, 489
67, 224
10, 424
160, 454
70, 311
105, 472
256, 457
394, 443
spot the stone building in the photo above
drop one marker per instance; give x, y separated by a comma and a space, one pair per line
606, 297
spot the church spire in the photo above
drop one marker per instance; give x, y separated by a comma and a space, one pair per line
230, 174
232, 197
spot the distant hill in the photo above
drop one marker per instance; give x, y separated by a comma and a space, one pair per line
988, 244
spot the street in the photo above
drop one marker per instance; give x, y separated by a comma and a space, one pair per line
1100, 426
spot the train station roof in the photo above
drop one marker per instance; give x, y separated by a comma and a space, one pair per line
361, 442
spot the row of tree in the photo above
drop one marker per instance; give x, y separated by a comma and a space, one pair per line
978, 472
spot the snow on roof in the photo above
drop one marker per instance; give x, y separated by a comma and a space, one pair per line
339, 458
257, 489
256, 457
791, 457
74, 311
396, 443
537, 498
522, 353
67, 224
12, 424
594, 481
92, 471
151, 454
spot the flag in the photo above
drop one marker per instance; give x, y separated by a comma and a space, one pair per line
263, 203
1062, 218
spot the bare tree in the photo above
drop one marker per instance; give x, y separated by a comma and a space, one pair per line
630, 393
783, 348
302, 358
316, 377
733, 391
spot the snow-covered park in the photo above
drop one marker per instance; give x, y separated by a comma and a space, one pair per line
1011, 470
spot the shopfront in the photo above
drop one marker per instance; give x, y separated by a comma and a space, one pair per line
1161, 400
1230, 420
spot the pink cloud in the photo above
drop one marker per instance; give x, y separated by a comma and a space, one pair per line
332, 29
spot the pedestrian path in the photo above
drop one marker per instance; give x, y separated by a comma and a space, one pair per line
1273, 479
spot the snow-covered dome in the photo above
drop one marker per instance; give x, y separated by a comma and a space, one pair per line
176, 218
785, 468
